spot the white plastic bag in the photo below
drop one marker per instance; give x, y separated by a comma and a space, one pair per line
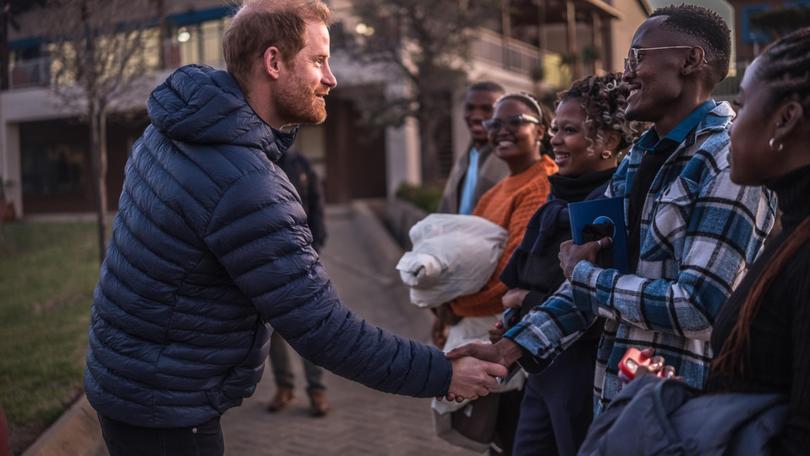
453, 255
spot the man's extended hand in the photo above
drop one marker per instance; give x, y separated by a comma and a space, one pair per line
473, 378
505, 352
571, 254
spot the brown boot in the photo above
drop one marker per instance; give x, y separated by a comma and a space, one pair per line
284, 395
318, 405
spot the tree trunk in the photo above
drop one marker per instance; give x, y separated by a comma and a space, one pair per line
160, 10
98, 150
4, 50
429, 149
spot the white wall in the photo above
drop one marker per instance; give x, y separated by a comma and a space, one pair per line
622, 31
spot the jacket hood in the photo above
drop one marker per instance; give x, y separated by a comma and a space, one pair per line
202, 105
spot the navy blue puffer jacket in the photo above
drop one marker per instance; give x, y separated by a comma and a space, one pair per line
210, 243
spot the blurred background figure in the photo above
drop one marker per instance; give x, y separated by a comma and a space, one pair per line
308, 185
477, 170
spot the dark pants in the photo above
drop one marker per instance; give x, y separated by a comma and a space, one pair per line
557, 404
282, 370
506, 426
124, 439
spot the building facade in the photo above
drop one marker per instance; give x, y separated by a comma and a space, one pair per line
45, 162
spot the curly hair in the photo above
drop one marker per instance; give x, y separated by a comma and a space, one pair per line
604, 99
543, 113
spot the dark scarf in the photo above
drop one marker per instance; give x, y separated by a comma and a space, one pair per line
573, 189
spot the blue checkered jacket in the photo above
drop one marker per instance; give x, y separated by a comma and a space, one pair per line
699, 234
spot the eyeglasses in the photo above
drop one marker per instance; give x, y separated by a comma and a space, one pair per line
632, 60
511, 123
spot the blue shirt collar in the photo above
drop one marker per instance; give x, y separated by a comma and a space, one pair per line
650, 141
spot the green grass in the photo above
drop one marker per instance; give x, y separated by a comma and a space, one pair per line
47, 275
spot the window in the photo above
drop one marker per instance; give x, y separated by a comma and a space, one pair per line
749, 35
54, 169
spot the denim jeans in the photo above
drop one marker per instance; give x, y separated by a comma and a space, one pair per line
282, 371
124, 439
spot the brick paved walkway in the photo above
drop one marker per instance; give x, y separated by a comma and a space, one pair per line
360, 259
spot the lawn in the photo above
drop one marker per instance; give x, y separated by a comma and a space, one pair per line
47, 275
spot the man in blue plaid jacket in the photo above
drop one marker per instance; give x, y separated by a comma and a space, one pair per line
692, 232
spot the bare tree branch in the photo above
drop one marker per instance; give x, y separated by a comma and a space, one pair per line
98, 62
429, 43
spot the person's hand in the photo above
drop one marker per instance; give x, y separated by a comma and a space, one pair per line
473, 378
655, 367
438, 332
571, 254
504, 352
496, 332
514, 298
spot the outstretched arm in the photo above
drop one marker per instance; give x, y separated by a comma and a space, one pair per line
259, 235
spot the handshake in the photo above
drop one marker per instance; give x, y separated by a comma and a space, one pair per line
477, 367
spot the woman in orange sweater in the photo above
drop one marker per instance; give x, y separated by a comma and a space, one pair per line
518, 132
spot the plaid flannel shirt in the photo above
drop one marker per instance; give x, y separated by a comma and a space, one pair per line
699, 234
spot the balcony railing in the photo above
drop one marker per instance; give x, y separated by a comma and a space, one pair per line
509, 54
30, 73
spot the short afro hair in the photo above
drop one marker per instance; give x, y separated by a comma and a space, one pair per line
486, 86
707, 27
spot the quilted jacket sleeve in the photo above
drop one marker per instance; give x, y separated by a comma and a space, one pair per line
258, 232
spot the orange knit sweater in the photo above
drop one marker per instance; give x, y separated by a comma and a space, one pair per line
510, 204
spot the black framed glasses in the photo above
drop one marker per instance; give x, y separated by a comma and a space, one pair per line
511, 123
632, 60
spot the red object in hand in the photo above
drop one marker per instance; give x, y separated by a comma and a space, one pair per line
634, 358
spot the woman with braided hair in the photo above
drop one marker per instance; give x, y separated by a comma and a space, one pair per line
589, 132
761, 336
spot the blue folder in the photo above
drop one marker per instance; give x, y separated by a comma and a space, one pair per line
599, 211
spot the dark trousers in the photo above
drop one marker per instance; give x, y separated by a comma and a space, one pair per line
507, 424
124, 439
282, 370
557, 405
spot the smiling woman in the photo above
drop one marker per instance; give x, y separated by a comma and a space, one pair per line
517, 133
589, 132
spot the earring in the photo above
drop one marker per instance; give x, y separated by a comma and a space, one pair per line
606, 154
778, 148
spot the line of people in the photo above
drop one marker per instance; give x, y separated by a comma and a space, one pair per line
211, 252
700, 201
